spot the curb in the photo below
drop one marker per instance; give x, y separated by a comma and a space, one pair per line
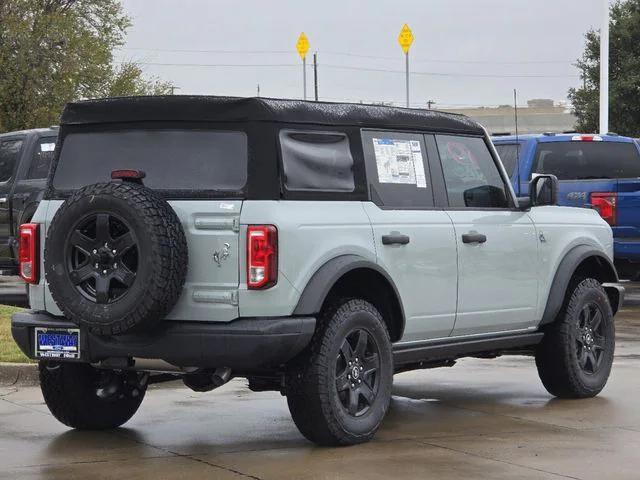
18, 374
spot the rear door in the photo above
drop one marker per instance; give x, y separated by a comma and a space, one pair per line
31, 179
10, 150
202, 173
414, 241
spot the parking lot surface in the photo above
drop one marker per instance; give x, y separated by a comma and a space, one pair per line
480, 419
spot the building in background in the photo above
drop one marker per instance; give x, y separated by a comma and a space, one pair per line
539, 116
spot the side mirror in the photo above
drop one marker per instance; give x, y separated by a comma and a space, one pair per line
543, 190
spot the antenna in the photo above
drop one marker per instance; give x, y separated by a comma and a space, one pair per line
515, 106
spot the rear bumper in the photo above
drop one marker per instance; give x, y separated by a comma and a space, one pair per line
246, 344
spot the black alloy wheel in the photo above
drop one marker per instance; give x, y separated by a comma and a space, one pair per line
102, 258
357, 368
590, 338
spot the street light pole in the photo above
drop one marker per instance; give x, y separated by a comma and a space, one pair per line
604, 70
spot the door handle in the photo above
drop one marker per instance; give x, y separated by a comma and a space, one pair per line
474, 238
395, 239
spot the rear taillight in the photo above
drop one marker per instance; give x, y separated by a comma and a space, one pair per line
262, 256
28, 252
605, 204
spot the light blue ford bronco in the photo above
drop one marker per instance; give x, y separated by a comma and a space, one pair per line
313, 248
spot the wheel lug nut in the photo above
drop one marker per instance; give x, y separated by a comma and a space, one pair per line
114, 252
349, 377
104, 271
359, 381
97, 266
361, 367
115, 265
353, 385
349, 363
95, 251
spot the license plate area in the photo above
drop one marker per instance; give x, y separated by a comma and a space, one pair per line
57, 343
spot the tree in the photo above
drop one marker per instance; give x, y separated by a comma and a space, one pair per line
624, 73
55, 51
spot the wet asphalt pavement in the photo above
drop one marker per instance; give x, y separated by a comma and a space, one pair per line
488, 419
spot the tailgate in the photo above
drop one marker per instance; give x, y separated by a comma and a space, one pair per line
211, 289
628, 209
577, 193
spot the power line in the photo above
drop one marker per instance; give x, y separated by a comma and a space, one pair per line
362, 69
355, 55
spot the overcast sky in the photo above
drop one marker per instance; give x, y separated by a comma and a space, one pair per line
466, 52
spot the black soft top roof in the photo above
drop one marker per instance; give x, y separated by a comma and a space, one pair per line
236, 109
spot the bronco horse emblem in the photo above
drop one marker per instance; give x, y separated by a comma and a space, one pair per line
219, 256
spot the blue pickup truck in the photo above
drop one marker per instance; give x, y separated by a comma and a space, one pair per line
595, 171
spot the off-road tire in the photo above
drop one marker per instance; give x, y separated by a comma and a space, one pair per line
557, 356
70, 392
161, 249
312, 394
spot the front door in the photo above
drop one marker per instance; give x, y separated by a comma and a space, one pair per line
497, 244
414, 242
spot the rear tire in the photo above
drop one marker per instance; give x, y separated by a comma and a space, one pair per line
576, 353
86, 398
341, 390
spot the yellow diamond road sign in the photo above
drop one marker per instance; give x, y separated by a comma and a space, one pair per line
303, 45
405, 39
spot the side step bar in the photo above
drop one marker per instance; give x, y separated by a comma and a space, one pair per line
450, 350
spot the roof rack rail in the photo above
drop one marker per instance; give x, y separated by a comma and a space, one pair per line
549, 134
501, 134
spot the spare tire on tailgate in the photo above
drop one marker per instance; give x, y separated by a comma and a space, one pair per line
115, 257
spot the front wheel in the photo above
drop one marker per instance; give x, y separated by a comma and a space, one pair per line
341, 391
88, 398
576, 353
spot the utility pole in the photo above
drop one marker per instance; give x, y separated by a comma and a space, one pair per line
315, 75
430, 103
173, 89
258, 90
604, 70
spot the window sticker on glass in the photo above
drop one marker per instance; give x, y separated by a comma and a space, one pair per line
47, 147
399, 161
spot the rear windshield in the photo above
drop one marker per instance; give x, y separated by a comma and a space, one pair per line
171, 159
509, 153
588, 160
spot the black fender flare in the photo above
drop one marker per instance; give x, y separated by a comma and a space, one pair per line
323, 280
565, 271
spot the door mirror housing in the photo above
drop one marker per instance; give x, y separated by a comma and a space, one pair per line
543, 190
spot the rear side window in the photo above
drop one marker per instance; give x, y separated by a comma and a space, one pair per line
509, 153
171, 159
471, 175
587, 160
9, 151
316, 161
42, 156
397, 169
